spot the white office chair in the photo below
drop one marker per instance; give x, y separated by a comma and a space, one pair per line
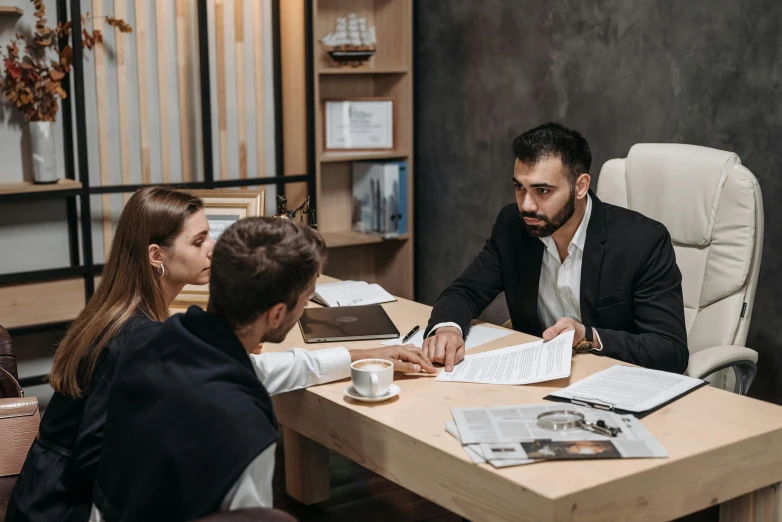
713, 209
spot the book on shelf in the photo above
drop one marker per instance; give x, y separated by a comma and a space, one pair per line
380, 198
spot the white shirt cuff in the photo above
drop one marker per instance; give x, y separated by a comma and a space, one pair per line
334, 363
596, 335
281, 372
440, 325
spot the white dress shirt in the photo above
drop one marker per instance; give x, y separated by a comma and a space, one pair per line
559, 286
278, 372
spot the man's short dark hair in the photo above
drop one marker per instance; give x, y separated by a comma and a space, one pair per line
557, 141
259, 262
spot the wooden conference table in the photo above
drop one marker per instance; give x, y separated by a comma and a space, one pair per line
724, 449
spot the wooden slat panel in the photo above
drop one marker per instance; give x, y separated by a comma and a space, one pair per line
122, 99
222, 117
260, 120
162, 82
143, 99
240, 100
294, 100
41, 303
294, 81
183, 67
103, 126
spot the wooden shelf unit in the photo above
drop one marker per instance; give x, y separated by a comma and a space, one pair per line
330, 156
11, 10
350, 238
364, 70
389, 73
28, 187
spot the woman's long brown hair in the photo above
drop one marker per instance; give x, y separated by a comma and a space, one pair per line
129, 283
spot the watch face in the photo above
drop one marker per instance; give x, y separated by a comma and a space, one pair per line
583, 347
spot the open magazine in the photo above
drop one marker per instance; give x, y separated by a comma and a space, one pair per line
510, 435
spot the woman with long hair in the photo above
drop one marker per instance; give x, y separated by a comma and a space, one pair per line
161, 244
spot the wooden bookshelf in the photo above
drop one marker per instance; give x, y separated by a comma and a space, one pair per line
388, 73
41, 303
364, 70
330, 156
349, 238
11, 10
27, 187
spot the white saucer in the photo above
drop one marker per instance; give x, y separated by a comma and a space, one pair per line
393, 391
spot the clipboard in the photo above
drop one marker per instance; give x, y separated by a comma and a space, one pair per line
606, 406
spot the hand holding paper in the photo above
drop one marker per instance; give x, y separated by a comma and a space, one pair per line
521, 364
477, 336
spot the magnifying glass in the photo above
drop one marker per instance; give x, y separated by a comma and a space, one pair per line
560, 420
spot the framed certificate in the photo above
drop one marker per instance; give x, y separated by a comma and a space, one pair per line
359, 124
223, 207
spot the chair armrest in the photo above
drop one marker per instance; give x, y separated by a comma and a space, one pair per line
707, 361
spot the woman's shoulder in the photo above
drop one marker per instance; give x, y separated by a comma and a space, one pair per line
136, 329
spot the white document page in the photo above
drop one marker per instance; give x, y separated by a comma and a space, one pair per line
629, 388
521, 364
477, 336
352, 293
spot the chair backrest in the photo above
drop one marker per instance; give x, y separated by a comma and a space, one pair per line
713, 209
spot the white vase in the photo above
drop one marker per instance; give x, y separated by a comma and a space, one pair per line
42, 151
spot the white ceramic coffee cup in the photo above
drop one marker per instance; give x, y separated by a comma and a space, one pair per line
372, 377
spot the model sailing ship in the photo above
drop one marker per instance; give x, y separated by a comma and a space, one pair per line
352, 42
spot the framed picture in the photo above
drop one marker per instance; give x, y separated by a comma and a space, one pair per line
359, 124
223, 208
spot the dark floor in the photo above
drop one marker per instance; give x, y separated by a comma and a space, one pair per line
358, 494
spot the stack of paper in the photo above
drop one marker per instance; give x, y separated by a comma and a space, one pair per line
629, 389
475, 452
521, 364
351, 293
477, 336
510, 436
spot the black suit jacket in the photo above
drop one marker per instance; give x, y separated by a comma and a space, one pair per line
631, 289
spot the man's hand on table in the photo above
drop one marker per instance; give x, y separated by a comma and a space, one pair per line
406, 359
563, 325
445, 346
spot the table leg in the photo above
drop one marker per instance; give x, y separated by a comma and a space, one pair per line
762, 505
306, 468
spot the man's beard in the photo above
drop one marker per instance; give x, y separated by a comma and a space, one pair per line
278, 334
550, 224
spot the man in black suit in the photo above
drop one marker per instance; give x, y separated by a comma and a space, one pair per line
568, 261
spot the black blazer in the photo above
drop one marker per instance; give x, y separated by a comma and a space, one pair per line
57, 477
631, 290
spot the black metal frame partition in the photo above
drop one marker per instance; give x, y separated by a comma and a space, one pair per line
88, 269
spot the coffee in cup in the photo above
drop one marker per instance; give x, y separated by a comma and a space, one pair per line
372, 378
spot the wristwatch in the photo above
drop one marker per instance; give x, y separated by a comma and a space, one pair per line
586, 344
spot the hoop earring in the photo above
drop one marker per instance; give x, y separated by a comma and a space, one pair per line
161, 270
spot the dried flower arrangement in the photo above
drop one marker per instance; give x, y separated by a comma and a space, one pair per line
30, 79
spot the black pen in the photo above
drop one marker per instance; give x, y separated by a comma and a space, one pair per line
408, 336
